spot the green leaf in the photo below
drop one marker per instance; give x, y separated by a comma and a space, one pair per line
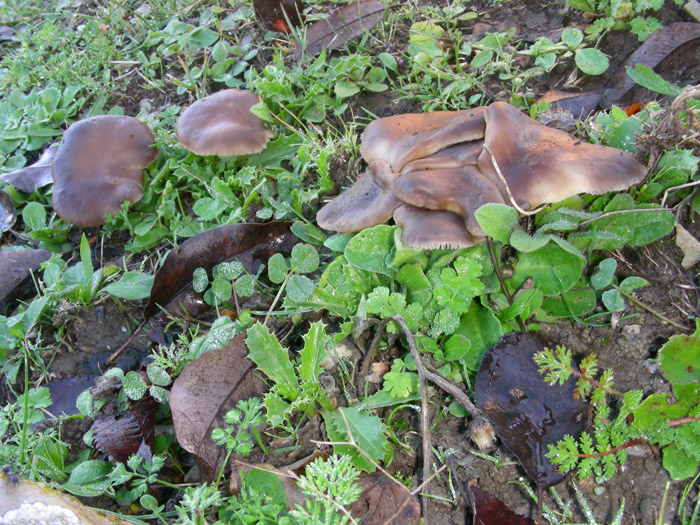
307, 232
271, 357
34, 216
370, 249
89, 472
86, 259
277, 268
680, 359
134, 385
630, 284
482, 58
604, 274
132, 286
313, 352
304, 258
300, 288
366, 430
646, 77
481, 328
576, 302
679, 464
591, 61
157, 375
497, 221
345, 88
552, 269
572, 37
522, 242
412, 277
613, 301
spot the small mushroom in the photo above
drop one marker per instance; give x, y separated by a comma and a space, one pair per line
543, 165
222, 124
366, 203
98, 166
459, 190
402, 138
432, 230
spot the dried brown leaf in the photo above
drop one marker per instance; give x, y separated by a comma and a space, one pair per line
38, 175
489, 510
385, 501
251, 244
16, 267
528, 413
341, 26
206, 389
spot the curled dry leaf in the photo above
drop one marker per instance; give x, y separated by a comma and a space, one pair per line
16, 267
385, 501
528, 413
489, 510
251, 244
341, 26
38, 175
124, 434
21, 502
8, 214
689, 245
206, 389
669, 49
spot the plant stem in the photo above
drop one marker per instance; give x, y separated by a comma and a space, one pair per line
497, 269
683, 420
648, 308
629, 444
595, 384
279, 292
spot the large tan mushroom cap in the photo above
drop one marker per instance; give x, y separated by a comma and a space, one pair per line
98, 166
366, 203
543, 165
466, 153
222, 124
403, 138
432, 230
459, 190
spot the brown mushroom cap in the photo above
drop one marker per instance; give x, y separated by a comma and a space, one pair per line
222, 124
433, 230
366, 203
543, 165
98, 166
455, 156
402, 138
459, 190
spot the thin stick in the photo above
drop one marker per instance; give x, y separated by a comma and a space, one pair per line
505, 185
126, 343
497, 269
674, 188
648, 308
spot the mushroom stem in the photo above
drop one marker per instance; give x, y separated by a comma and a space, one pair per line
505, 185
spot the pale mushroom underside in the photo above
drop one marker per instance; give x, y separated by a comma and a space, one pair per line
431, 172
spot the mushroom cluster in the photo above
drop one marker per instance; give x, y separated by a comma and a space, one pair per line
432, 171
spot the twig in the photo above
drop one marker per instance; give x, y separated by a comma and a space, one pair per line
629, 444
126, 343
504, 288
648, 308
674, 188
505, 185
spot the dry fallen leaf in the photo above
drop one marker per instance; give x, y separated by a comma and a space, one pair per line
251, 244
38, 175
206, 389
341, 26
489, 510
384, 500
16, 267
528, 413
689, 245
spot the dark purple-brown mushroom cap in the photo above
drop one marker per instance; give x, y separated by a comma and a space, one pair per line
366, 203
98, 166
222, 124
543, 165
432, 230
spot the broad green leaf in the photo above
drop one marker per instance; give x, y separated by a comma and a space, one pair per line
300, 288
304, 258
680, 359
90, 471
523, 242
277, 268
497, 221
591, 61
679, 464
86, 259
481, 328
552, 269
157, 375
132, 286
134, 385
646, 77
604, 273
366, 430
34, 216
614, 301
270, 356
370, 248
576, 302
572, 37
418, 288
629, 284
307, 232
